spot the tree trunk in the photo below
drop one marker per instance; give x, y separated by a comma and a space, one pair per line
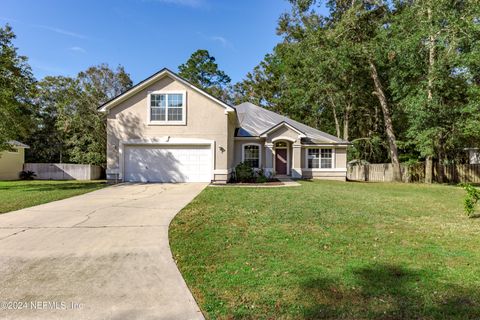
441, 157
346, 122
431, 57
440, 177
61, 151
430, 76
337, 124
375, 124
392, 141
429, 170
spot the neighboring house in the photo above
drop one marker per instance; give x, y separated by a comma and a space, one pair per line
167, 130
11, 162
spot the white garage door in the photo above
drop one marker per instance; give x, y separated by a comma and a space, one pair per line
168, 164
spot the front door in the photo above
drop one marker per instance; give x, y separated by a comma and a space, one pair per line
281, 161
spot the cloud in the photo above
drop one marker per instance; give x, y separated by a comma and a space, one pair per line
224, 42
60, 31
77, 49
49, 28
184, 3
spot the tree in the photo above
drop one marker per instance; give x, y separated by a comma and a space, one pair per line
56, 99
86, 140
319, 76
359, 26
70, 129
263, 86
16, 88
202, 71
434, 75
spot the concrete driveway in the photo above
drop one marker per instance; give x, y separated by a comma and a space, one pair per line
101, 255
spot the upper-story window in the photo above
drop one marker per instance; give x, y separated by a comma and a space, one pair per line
167, 108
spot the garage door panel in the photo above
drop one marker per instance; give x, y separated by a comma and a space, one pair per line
172, 164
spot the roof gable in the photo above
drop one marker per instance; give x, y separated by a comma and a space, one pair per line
278, 126
151, 80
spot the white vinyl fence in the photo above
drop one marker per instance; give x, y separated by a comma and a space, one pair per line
64, 171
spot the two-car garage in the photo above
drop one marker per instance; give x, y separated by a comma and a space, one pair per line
168, 163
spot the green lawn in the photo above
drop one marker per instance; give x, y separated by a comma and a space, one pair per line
16, 195
330, 250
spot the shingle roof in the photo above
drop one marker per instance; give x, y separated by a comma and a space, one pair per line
255, 120
15, 143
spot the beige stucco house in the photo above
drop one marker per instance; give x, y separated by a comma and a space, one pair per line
166, 130
11, 162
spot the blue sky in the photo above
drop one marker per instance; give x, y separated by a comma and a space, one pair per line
64, 37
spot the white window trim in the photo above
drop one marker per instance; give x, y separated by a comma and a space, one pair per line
333, 168
279, 139
259, 152
166, 122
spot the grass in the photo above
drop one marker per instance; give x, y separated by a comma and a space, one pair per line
15, 195
330, 250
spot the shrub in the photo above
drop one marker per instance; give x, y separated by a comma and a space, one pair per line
261, 177
414, 170
27, 175
244, 173
471, 199
233, 177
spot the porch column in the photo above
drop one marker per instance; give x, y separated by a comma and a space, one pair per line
296, 160
268, 166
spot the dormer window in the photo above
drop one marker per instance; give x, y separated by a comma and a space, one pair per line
167, 108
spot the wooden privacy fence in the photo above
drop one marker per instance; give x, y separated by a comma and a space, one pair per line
383, 172
64, 171
457, 173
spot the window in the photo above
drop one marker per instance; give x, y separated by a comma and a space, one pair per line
320, 158
251, 155
281, 145
326, 158
167, 107
313, 158
175, 107
158, 107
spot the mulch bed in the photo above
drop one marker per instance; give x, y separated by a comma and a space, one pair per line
271, 182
